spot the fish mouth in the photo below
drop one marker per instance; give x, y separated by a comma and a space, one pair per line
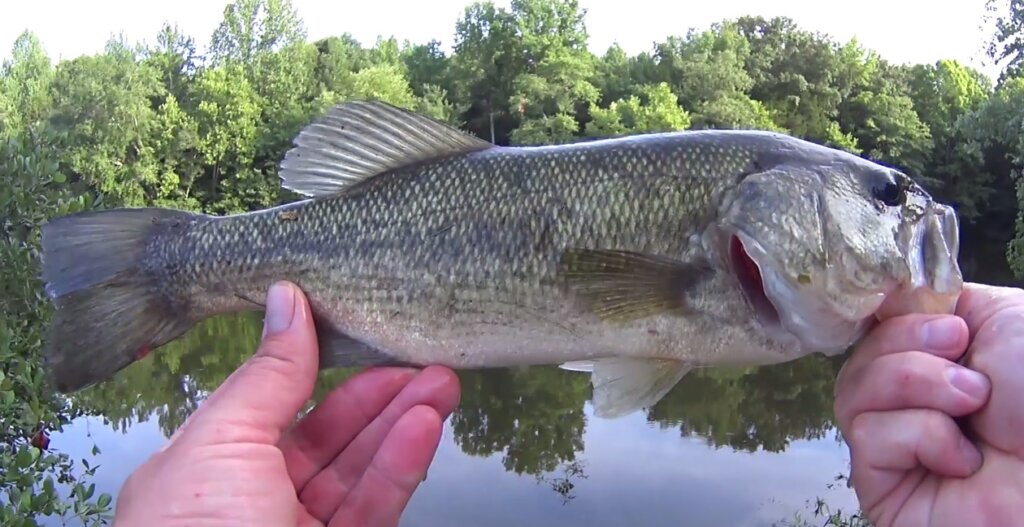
794, 315
935, 280
748, 273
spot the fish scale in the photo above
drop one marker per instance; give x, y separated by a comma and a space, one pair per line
634, 258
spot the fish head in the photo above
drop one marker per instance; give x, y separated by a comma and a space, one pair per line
822, 250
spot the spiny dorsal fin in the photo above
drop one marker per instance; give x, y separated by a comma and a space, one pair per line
622, 285
360, 139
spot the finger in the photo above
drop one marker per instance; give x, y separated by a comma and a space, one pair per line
262, 398
944, 336
884, 446
395, 472
997, 351
316, 439
435, 386
979, 302
913, 379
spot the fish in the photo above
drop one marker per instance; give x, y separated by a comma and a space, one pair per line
633, 259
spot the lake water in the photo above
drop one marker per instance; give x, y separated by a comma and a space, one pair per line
749, 447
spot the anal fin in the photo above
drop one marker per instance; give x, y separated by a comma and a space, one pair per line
586, 366
624, 385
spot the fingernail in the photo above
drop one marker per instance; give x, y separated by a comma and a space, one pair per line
941, 333
280, 309
971, 454
970, 382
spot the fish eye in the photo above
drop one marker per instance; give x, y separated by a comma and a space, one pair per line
890, 192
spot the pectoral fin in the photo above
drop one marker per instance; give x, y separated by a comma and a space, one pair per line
622, 286
625, 385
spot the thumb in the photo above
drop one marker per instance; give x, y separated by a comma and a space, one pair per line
264, 396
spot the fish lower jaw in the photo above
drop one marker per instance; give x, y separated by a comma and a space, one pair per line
785, 314
814, 322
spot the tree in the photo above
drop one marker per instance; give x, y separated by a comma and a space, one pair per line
944, 93
25, 86
706, 70
102, 108
883, 120
528, 63
266, 40
254, 29
337, 59
228, 122
655, 110
796, 76
1007, 42
175, 60
994, 129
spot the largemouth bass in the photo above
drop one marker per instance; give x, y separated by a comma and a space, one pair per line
635, 259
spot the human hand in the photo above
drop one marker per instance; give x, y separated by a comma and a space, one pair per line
239, 460
897, 399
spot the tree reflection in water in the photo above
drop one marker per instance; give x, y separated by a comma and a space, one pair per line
532, 417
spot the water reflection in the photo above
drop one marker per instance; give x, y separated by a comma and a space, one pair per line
534, 417
756, 408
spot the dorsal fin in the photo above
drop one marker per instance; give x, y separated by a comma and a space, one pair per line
360, 139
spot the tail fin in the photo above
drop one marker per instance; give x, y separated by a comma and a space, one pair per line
109, 311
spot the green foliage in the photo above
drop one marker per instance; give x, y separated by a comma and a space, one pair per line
33, 190
995, 128
1006, 44
888, 129
655, 110
527, 63
227, 120
25, 85
103, 110
944, 95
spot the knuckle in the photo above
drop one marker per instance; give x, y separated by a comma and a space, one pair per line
907, 371
909, 374
934, 425
896, 333
859, 432
273, 365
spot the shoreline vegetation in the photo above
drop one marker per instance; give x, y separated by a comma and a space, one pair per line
168, 124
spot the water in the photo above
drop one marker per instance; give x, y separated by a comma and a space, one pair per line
740, 447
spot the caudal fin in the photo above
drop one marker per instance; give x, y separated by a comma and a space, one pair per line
109, 311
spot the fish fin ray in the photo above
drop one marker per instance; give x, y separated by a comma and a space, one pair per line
623, 285
357, 140
625, 385
585, 366
339, 350
108, 311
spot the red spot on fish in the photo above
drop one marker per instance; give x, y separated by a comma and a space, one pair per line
143, 351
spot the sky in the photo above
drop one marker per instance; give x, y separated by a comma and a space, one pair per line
900, 30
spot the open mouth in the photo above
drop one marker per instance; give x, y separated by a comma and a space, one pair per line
749, 275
